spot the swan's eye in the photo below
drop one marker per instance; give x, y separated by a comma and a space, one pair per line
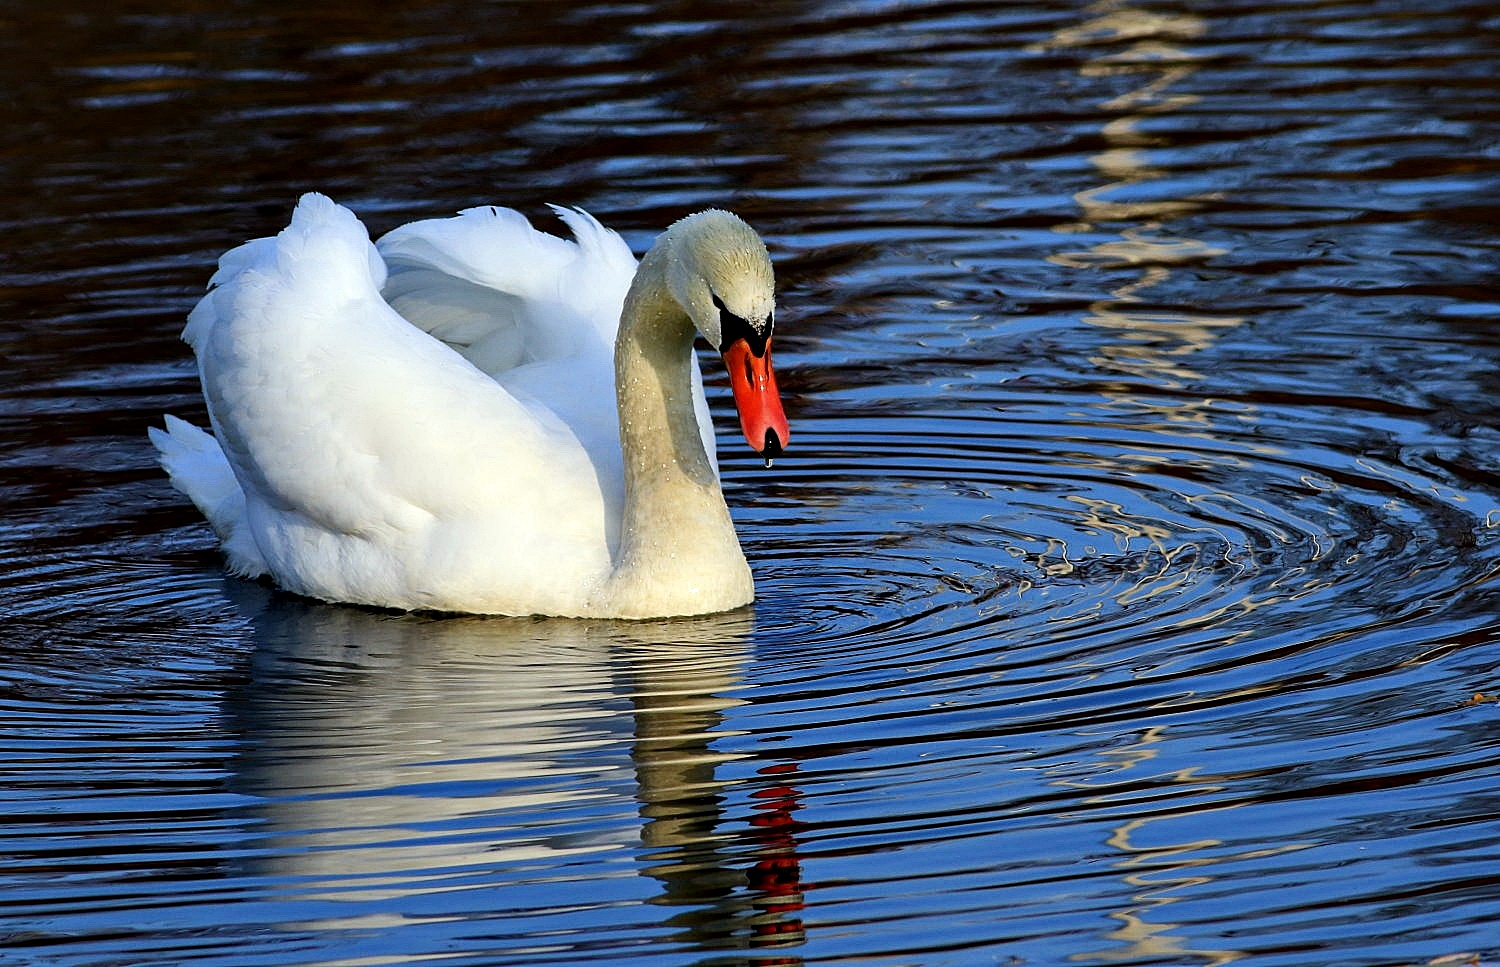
733, 328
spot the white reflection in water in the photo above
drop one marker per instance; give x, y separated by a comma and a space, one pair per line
397, 758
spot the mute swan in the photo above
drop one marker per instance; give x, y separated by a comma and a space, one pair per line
427, 423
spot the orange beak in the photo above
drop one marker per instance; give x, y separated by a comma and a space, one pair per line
757, 398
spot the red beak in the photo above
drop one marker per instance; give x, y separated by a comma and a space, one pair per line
757, 398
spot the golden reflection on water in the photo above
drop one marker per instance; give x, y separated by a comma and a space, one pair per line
1158, 875
1157, 339
1154, 345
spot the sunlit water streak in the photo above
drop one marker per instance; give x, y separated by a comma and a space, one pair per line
1123, 599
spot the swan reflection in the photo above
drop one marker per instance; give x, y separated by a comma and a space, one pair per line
411, 769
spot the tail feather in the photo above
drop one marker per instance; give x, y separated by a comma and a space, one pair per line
198, 468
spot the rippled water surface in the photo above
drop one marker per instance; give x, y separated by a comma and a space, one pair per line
1128, 595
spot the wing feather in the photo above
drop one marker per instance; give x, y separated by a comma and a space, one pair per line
336, 413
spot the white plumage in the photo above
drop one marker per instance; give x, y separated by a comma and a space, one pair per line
432, 423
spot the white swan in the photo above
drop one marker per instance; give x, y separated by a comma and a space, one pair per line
476, 416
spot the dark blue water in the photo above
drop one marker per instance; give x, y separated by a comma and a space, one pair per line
1128, 595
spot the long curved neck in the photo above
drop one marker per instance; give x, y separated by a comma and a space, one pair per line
653, 384
678, 552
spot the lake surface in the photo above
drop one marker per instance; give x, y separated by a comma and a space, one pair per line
1130, 593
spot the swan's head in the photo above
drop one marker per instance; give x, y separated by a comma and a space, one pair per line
720, 273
